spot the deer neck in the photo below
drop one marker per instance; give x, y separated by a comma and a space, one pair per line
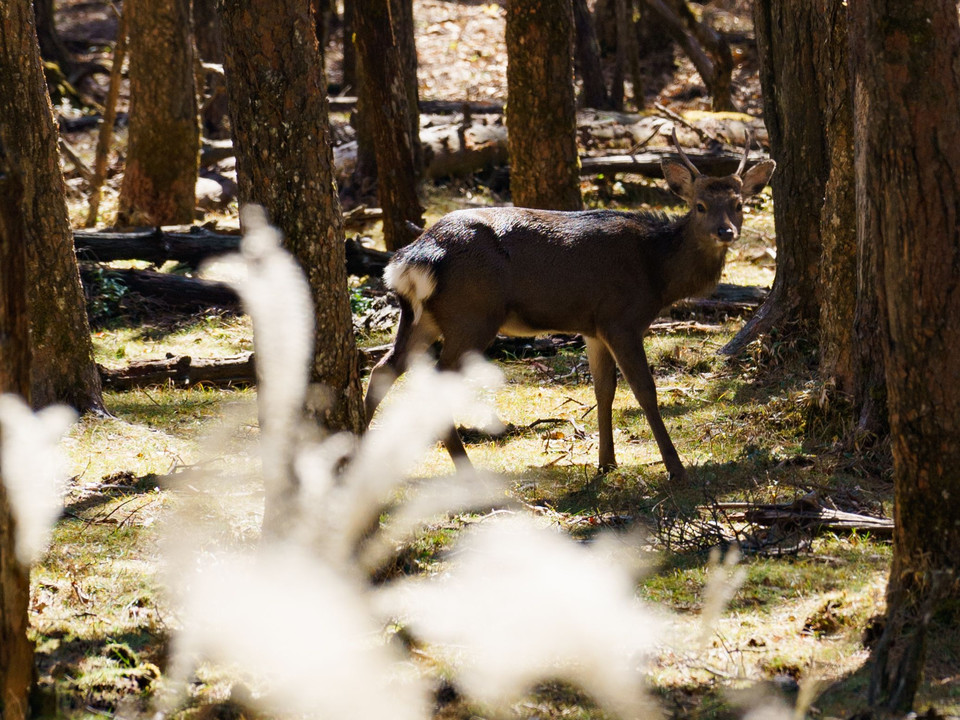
694, 267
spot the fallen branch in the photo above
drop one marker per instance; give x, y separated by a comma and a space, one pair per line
648, 163
808, 514
173, 291
195, 245
182, 371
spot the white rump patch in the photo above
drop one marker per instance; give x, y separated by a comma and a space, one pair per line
414, 282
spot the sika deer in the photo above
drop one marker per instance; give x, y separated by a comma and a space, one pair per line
601, 273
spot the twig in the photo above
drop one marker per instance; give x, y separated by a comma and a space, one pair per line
71, 155
676, 117
643, 143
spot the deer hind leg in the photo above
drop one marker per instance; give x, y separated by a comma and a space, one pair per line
413, 337
604, 370
628, 351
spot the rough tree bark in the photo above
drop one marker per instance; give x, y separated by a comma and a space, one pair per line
541, 107
842, 300
384, 32
163, 150
62, 369
16, 650
789, 34
278, 107
907, 110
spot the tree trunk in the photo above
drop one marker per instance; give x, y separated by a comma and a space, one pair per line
164, 139
907, 110
838, 226
384, 29
16, 650
52, 47
595, 93
206, 31
788, 42
349, 80
62, 369
542, 116
278, 107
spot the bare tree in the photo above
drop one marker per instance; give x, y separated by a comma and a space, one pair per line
384, 34
789, 76
907, 110
160, 178
278, 107
62, 367
544, 164
16, 650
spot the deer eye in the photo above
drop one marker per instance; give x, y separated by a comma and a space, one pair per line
701, 208
739, 206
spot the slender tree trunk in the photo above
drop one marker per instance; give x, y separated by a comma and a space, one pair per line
62, 369
907, 109
595, 93
787, 32
163, 151
838, 226
384, 56
541, 107
278, 107
349, 82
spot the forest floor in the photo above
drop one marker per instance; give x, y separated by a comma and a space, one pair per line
757, 429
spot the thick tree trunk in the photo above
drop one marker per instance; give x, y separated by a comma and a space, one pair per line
595, 93
789, 38
907, 110
278, 107
542, 116
164, 139
62, 369
16, 651
382, 29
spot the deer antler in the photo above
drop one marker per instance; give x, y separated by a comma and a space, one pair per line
746, 151
683, 156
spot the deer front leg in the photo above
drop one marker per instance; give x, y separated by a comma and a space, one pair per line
604, 371
629, 353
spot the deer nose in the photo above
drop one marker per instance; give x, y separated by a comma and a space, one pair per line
726, 234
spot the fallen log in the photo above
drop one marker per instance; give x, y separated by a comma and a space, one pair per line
182, 371
154, 245
194, 246
172, 291
648, 163
346, 103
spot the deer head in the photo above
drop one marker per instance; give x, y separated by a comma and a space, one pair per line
716, 203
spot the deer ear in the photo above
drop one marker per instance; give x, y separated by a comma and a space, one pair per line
757, 177
679, 178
